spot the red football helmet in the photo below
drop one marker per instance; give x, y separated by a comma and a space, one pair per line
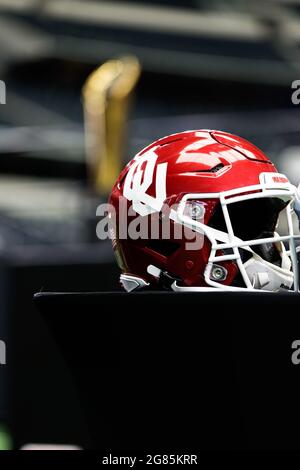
198, 210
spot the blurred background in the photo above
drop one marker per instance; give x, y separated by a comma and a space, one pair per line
88, 84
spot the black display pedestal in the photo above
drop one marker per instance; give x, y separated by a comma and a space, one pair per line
182, 371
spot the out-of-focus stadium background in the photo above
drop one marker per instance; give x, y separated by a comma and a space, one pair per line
167, 66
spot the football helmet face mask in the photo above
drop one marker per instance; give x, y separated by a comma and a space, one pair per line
227, 196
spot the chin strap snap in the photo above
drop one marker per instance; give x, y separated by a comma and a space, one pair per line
165, 280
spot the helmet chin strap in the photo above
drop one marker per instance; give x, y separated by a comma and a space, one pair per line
268, 276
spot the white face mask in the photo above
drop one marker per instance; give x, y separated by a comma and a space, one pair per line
257, 273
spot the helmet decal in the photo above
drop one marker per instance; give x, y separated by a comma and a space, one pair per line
139, 179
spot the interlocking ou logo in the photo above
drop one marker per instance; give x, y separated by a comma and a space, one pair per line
139, 179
